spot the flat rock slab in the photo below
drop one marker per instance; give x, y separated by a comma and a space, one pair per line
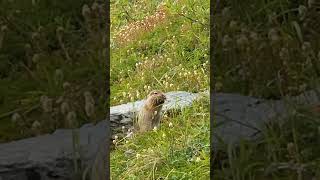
177, 99
241, 117
50, 156
122, 115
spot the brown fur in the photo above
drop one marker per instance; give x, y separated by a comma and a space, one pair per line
150, 114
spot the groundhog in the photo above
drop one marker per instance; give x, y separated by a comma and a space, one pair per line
150, 114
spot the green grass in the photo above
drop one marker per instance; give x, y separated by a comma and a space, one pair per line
165, 58
43, 49
266, 49
278, 154
269, 49
259, 51
178, 150
172, 55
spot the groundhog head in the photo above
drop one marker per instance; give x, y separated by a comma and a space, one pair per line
156, 98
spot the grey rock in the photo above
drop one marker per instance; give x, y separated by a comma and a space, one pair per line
126, 121
51, 156
239, 117
123, 114
177, 99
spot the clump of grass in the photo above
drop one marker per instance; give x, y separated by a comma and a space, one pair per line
134, 30
58, 58
178, 150
269, 49
270, 60
286, 150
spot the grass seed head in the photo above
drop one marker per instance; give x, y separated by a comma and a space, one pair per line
46, 104
65, 108
4, 28
59, 76
90, 109
16, 118
86, 11
35, 58
88, 97
95, 7
71, 119
35, 125
66, 85
273, 35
